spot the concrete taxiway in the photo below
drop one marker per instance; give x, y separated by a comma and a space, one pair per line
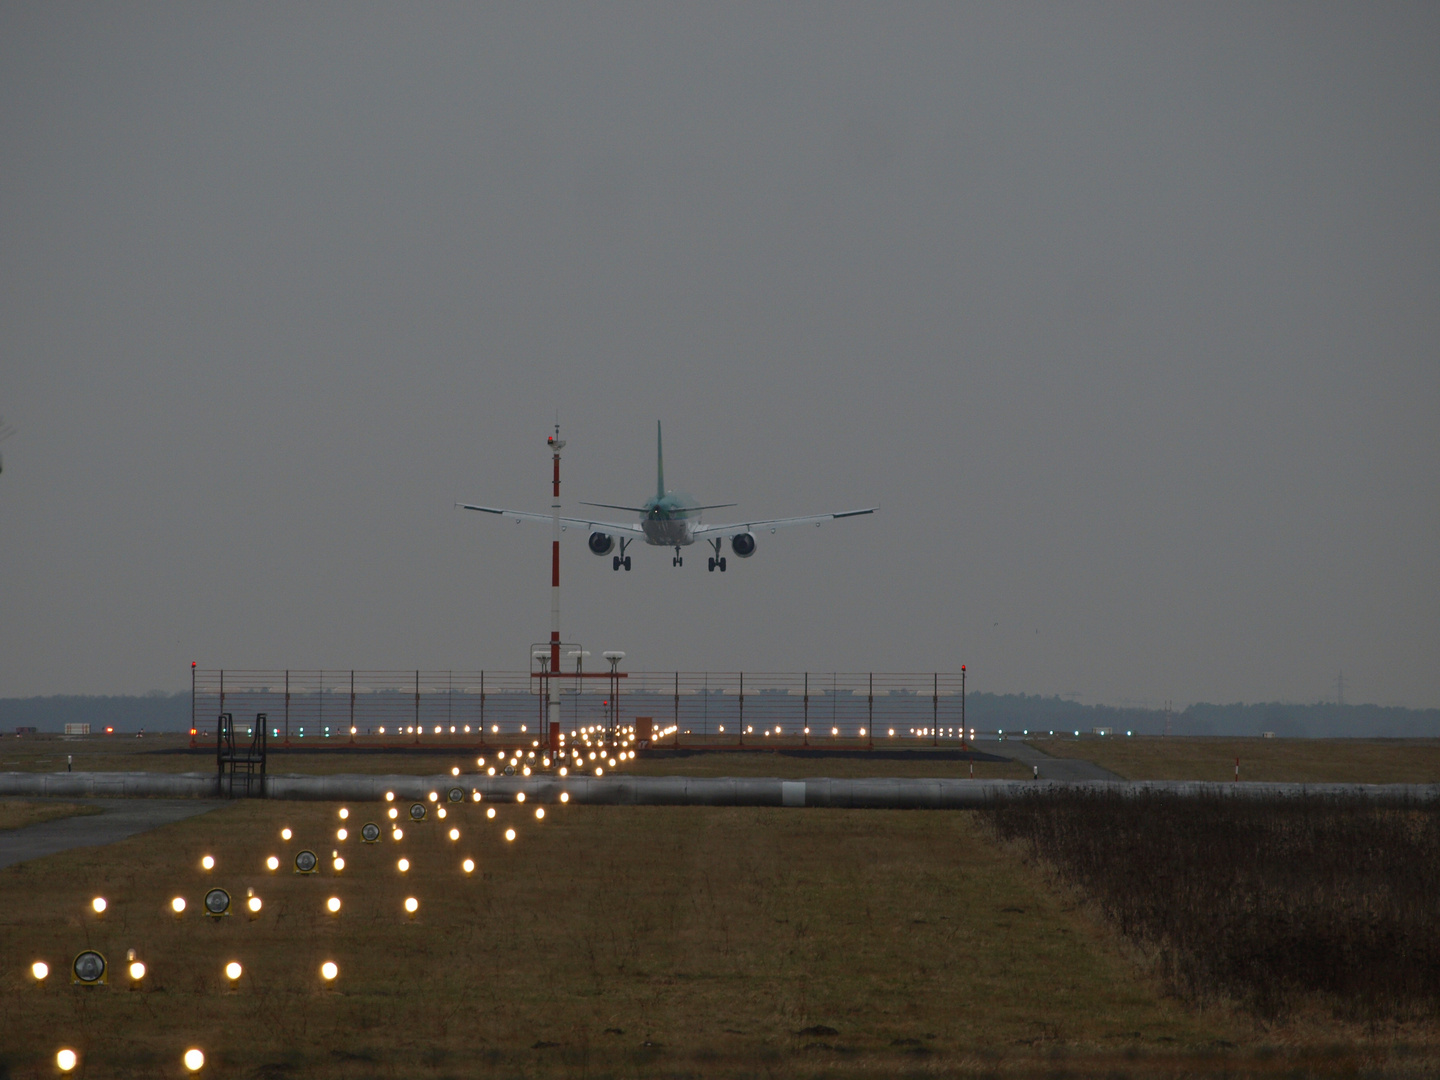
118, 819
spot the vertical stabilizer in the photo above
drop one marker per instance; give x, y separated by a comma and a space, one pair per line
659, 463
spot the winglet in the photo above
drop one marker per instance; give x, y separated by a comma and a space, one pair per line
659, 464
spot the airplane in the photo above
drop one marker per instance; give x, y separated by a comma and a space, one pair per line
669, 519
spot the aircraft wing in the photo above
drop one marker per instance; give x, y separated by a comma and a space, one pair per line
779, 523
545, 519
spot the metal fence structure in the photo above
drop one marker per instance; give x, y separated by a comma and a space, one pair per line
477, 708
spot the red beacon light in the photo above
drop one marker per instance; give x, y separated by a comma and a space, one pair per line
109, 731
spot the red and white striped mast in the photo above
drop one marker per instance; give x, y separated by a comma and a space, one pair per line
556, 444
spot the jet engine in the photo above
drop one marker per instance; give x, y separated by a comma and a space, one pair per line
743, 545
601, 543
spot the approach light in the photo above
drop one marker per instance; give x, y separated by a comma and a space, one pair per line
564, 771
339, 863
344, 813
272, 863
412, 905
137, 970
490, 813
520, 796
612, 762
341, 834
475, 795
394, 813
99, 905
404, 865
417, 811
564, 796
333, 904
232, 971
89, 968
41, 970
490, 771
194, 1059
440, 812
254, 905
208, 862
509, 834
468, 865
599, 772
217, 903
389, 796
285, 834
479, 762
178, 905
834, 731
328, 970
539, 812
454, 834
494, 729
66, 1059
306, 862
525, 771
434, 796
370, 832
455, 770
397, 834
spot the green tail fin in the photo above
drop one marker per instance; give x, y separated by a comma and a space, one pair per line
659, 464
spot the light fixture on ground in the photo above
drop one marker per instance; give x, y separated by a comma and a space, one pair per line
490, 813
468, 866
440, 812
394, 813
333, 904
89, 968
208, 862
344, 813
40, 970
539, 813
254, 904
509, 834
272, 863
306, 862
177, 905
397, 834
328, 970
564, 796
454, 834
403, 865
217, 903
285, 834
233, 971
411, 905
370, 832
194, 1059
99, 905
66, 1059
341, 834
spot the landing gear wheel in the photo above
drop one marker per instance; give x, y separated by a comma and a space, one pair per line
627, 562
615, 563
712, 566
721, 564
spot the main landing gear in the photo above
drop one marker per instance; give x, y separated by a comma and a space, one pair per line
717, 561
622, 559
677, 560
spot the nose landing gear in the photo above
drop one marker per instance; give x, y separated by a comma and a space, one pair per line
717, 561
678, 560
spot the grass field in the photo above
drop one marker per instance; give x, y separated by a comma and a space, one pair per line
612, 941
18, 813
1356, 761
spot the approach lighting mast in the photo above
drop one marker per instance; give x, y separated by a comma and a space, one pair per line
556, 444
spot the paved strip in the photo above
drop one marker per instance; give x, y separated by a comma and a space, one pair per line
1053, 768
121, 818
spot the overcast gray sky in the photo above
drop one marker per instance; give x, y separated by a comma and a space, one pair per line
1127, 316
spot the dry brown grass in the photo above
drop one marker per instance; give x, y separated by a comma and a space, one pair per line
18, 813
607, 941
1356, 761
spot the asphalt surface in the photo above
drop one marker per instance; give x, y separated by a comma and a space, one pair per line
1052, 768
120, 818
